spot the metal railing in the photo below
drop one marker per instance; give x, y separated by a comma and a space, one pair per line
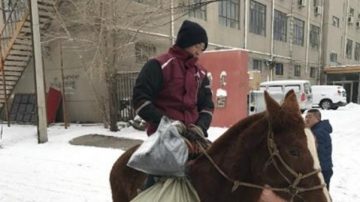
124, 91
13, 14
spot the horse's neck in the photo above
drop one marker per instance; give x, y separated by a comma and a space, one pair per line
228, 153
206, 178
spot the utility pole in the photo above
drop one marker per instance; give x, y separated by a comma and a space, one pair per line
39, 74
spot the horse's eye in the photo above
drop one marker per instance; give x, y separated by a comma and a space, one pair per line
294, 152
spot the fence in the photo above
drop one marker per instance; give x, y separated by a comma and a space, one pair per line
124, 91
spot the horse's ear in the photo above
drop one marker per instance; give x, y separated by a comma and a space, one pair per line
290, 102
271, 105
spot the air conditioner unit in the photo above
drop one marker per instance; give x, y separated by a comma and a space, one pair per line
302, 3
351, 20
318, 10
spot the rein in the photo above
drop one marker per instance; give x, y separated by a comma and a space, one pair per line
293, 189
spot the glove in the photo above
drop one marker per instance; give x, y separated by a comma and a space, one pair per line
195, 134
181, 128
196, 130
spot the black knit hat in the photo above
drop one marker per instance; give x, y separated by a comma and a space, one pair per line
191, 33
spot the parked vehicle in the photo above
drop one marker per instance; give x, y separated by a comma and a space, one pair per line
256, 100
328, 96
278, 89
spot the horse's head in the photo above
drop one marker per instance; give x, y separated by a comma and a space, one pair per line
269, 148
287, 158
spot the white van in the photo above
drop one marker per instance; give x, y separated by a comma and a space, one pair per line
302, 89
328, 96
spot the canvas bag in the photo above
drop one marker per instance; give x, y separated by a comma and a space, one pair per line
164, 153
176, 189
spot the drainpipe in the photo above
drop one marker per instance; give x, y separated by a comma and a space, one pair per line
291, 34
307, 38
272, 40
172, 38
246, 27
322, 54
346, 28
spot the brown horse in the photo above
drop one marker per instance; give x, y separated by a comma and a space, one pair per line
269, 148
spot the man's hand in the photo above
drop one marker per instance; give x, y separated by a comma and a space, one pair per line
268, 195
180, 126
196, 135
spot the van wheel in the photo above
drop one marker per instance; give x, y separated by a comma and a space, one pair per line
325, 104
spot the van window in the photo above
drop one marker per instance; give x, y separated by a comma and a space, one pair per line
275, 89
262, 88
307, 88
296, 88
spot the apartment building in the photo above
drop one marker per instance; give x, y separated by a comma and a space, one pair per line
341, 45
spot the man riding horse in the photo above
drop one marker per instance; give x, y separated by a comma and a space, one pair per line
173, 84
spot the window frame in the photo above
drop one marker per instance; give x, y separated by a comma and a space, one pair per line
297, 70
143, 51
313, 72
197, 9
259, 64
357, 51
280, 26
349, 47
314, 36
257, 18
279, 69
229, 13
335, 21
333, 57
299, 32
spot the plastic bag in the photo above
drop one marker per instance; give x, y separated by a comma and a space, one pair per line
164, 153
177, 189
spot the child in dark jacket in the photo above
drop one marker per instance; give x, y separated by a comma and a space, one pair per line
321, 129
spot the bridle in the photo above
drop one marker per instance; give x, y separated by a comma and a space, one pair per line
293, 189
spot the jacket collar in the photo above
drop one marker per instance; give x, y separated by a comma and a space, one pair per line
182, 54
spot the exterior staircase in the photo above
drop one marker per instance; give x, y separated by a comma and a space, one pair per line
16, 43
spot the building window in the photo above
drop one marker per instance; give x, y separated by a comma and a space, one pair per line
349, 45
143, 51
335, 21
298, 32
257, 64
333, 57
229, 14
297, 70
279, 69
313, 72
280, 26
197, 9
314, 36
357, 52
316, 3
257, 18
352, 12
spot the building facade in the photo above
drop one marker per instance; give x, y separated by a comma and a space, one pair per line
341, 55
285, 39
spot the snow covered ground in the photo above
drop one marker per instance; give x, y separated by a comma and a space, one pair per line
59, 172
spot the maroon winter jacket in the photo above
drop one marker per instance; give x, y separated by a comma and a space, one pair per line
177, 88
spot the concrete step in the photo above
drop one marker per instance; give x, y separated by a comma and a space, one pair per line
21, 52
16, 63
14, 68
